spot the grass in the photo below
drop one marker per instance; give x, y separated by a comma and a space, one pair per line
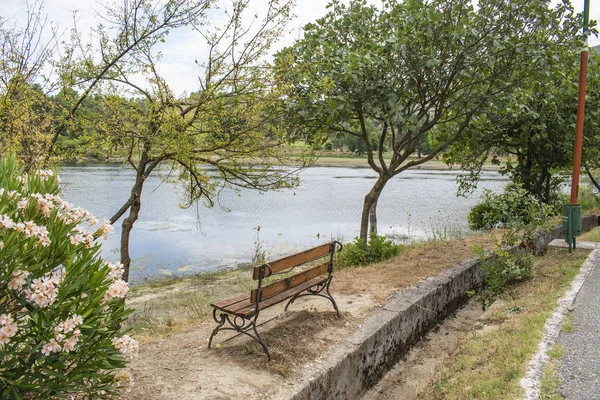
568, 324
489, 363
550, 382
591, 236
171, 305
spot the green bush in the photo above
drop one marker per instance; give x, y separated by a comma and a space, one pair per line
61, 305
512, 258
378, 249
507, 266
514, 206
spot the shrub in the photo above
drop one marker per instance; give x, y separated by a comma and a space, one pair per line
378, 249
507, 266
61, 305
512, 258
515, 206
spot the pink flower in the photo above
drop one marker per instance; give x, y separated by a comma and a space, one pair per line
117, 289
77, 319
127, 346
70, 344
51, 347
116, 270
125, 379
4, 339
6, 319
7, 222
106, 229
18, 280
8, 329
22, 204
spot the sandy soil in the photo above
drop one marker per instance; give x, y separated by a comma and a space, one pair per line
180, 366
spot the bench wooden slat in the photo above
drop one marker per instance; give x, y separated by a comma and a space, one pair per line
288, 283
295, 259
227, 302
271, 301
235, 307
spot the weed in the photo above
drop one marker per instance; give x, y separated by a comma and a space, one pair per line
556, 352
260, 254
515, 309
550, 382
568, 324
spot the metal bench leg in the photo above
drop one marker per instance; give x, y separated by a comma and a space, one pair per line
317, 292
258, 338
220, 323
240, 325
330, 297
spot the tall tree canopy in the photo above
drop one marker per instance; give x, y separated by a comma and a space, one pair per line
533, 125
227, 134
414, 67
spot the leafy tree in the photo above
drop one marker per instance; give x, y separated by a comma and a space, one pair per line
30, 124
25, 112
591, 134
533, 125
227, 134
414, 68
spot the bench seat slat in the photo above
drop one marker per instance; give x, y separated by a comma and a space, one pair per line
229, 302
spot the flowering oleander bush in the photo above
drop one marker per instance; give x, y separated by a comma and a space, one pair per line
61, 305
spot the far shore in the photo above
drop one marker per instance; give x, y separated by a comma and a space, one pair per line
334, 161
360, 162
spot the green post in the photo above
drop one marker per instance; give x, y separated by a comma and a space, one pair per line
571, 224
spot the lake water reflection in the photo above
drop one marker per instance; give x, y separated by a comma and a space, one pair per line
168, 240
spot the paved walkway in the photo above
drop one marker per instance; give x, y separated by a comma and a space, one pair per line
579, 370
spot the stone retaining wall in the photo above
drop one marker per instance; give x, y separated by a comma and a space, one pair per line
390, 331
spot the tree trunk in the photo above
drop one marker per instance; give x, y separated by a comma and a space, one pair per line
369, 204
373, 218
134, 211
594, 182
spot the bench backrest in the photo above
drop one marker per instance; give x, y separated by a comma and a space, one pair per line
288, 263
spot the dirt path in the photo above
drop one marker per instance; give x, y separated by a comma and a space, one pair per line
182, 367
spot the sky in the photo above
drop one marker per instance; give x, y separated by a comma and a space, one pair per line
182, 47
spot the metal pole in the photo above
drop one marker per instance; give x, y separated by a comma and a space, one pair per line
579, 125
580, 108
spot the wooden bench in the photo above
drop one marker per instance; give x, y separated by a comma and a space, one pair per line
240, 313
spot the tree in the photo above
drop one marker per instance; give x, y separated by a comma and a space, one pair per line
533, 125
25, 112
232, 125
591, 135
415, 68
25, 55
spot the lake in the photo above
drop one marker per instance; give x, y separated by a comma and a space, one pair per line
169, 240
